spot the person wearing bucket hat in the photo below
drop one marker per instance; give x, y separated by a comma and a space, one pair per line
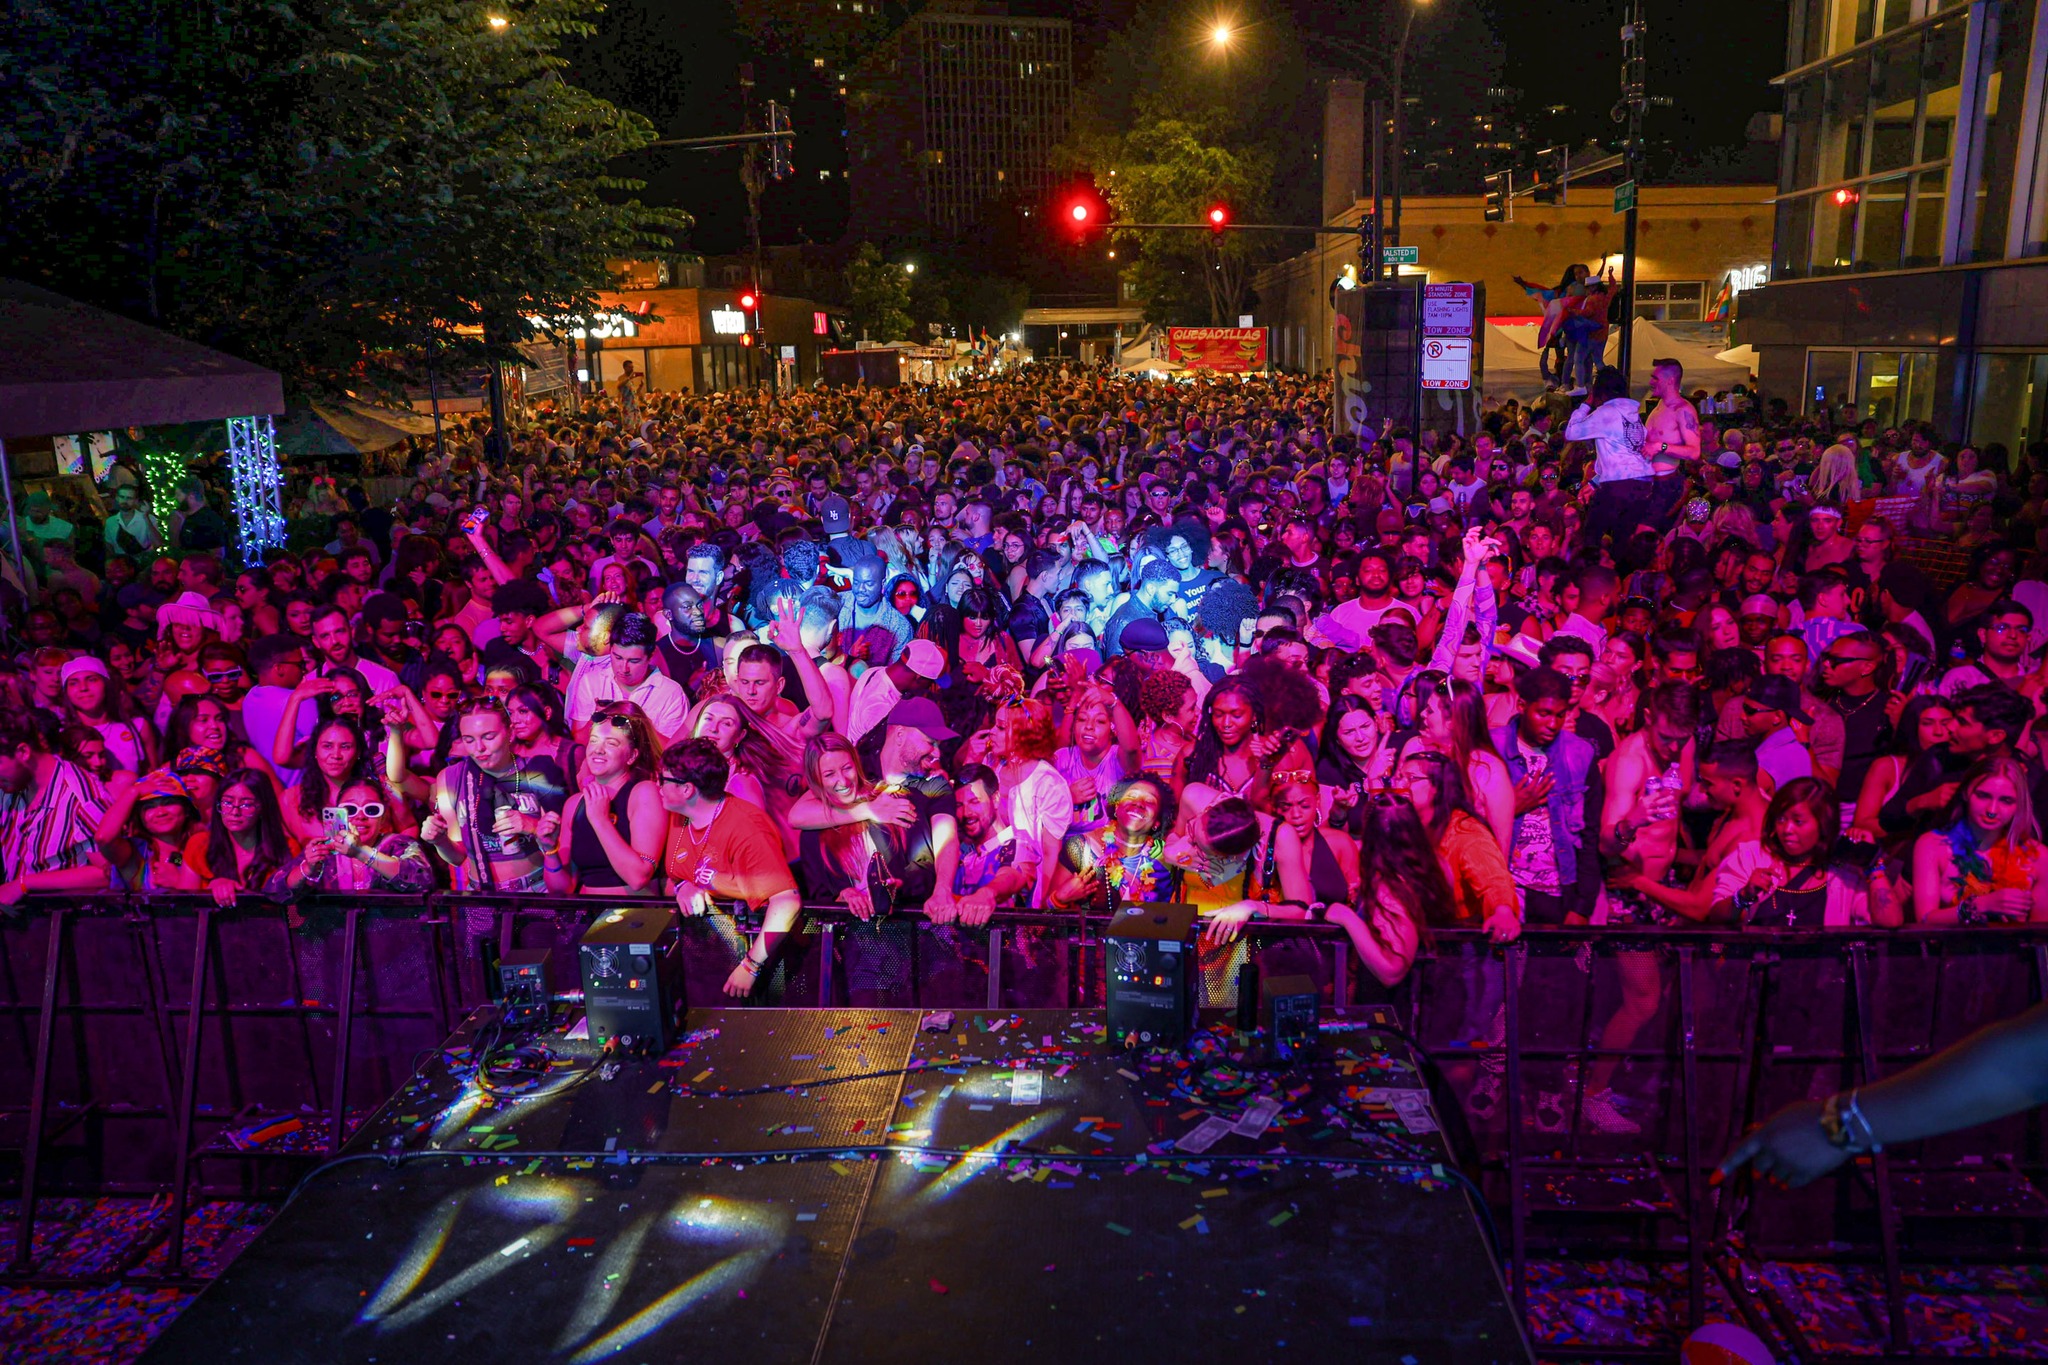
144, 832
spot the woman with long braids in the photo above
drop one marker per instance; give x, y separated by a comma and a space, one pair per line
1234, 754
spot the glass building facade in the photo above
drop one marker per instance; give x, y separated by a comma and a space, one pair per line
1911, 233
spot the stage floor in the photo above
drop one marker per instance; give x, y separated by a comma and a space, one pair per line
1009, 1188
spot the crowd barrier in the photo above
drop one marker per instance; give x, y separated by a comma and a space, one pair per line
155, 1044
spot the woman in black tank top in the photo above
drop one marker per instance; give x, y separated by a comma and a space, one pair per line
608, 840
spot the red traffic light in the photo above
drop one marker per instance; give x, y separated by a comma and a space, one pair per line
1845, 197
1219, 217
1081, 212
747, 300
746, 338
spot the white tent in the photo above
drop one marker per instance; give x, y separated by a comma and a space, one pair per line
1512, 370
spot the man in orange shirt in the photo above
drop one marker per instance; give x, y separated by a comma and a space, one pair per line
724, 847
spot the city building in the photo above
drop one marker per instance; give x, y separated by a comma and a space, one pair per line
961, 107
1912, 219
682, 325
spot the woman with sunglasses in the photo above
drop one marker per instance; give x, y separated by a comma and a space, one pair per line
143, 834
364, 854
337, 757
616, 824
245, 846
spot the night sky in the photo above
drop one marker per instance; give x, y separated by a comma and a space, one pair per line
677, 62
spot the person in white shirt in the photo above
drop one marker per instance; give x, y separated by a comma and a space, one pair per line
629, 675
878, 690
1613, 422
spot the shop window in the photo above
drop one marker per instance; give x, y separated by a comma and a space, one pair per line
1895, 386
1671, 300
2010, 403
1829, 375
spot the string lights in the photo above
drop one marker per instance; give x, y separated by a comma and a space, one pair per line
256, 484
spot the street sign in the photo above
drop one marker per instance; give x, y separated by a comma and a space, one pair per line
1400, 255
1624, 196
1447, 310
1447, 363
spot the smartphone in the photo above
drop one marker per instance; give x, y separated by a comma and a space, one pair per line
335, 820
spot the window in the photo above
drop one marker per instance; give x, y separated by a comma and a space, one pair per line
1895, 386
1671, 300
2011, 404
1828, 376
1869, 140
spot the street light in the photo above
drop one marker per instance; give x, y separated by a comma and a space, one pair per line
498, 22
910, 267
1221, 35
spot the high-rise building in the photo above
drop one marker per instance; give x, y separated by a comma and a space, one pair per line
1906, 280
961, 107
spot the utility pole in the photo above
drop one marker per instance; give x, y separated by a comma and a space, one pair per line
755, 179
1629, 110
1376, 268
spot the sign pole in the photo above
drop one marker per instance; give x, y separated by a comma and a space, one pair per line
1632, 73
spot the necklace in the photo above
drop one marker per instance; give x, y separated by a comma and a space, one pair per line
1850, 712
690, 831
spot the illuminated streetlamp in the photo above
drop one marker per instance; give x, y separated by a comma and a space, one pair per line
910, 267
1221, 35
499, 23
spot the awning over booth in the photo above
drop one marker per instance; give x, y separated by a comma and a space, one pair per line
341, 426
67, 367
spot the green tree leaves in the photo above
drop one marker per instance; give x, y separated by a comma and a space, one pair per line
877, 295
320, 189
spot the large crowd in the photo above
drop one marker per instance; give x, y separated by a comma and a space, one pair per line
1063, 640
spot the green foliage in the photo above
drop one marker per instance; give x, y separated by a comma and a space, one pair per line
877, 295
320, 188
1181, 125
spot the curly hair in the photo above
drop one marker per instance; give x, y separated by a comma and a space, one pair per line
1160, 693
1225, 607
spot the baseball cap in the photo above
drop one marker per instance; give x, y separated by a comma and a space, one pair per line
921, 713
836, 515
1779, 694
925, 659
1143, 634
1728, 459
1760, 605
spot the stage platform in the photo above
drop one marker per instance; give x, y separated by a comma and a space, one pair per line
866, 1185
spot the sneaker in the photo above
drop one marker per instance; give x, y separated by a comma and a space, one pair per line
1600, 1112
1485, 1097
1579, 392
1550, 1112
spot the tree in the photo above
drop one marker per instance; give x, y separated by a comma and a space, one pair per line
1180, 125
330, 190
877, 295
1167, 172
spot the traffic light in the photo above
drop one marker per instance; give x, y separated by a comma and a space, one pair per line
749, 301
1500, 189
1083, 211
1553, 172
1369, 245
1845, 197
781, 149
1219, 217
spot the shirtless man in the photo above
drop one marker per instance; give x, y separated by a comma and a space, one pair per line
1728, 782
1646, 777
1671, 440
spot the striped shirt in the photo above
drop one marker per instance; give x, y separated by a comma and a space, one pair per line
51, 828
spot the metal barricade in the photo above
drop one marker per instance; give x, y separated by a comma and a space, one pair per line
142, 1039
